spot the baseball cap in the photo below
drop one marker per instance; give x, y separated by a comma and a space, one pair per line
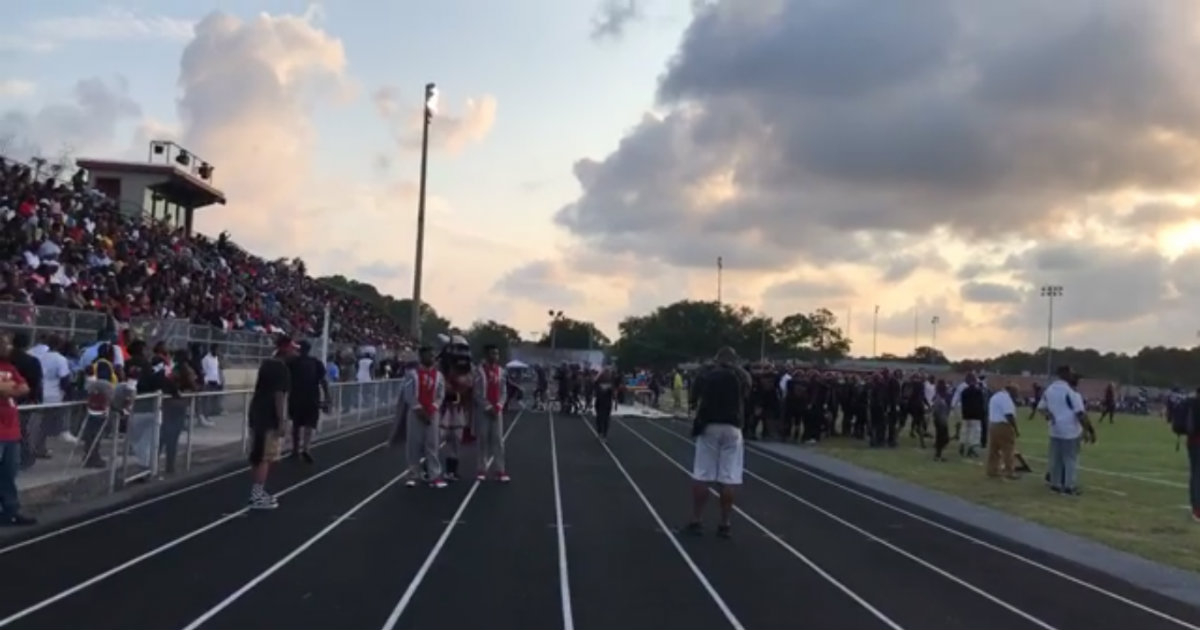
284, 342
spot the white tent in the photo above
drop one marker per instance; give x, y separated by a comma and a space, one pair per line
516, 365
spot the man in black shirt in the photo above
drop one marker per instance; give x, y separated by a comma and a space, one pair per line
267, 419
308, 388
605, 390
718, 396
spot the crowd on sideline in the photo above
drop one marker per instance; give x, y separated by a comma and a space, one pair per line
810, 405
64, 244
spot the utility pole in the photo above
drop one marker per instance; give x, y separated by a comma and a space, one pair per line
430, 110
875, 334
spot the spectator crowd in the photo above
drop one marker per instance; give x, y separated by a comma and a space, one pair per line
66, 245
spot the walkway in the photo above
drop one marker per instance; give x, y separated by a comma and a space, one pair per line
582, 538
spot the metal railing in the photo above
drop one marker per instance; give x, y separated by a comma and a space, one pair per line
159, 437
73, 325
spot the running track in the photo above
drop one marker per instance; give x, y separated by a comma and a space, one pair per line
577, 540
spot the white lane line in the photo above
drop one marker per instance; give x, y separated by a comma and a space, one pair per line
292, 556
122, 511
781, 542
225, 603
851, 526
978, 541
564, 582
441, 542
662, 526
1122, 475
172, 543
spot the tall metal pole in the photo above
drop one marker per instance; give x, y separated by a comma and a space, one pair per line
1050, 291
325, 336
430, 95
875, 334
934, 324
720, 269
762, 343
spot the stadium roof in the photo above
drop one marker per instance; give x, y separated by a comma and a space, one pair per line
181, 186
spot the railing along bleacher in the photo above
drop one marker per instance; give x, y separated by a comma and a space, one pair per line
162, 437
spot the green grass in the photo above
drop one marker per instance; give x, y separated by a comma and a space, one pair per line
1134, 481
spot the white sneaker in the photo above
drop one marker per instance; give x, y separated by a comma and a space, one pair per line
68, 437
263, 501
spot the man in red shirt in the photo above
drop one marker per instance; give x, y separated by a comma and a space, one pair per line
12, 386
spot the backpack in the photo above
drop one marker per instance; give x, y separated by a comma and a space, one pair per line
1183, 417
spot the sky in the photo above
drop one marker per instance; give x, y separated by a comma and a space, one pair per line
931, 158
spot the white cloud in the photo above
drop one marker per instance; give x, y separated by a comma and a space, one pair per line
451, 132
109, 24
10, 88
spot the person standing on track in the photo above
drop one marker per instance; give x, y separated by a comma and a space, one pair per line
605, 389
489, 405
718, 397
12, 387
268, 420
305, 400
423, 394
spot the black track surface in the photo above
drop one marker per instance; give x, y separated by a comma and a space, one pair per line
495, 561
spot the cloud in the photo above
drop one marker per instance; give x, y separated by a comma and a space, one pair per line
989, 293
10, 88
247, 90
613, 17
110, 24
448, 132
88, 123
542, 282
829, 131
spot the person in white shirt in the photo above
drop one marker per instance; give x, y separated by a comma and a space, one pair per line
1069, 425
214, 381
1003, 433
56, 371
366, 364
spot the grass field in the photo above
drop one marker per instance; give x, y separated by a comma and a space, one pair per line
1134, 485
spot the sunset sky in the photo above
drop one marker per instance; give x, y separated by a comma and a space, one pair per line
936, 157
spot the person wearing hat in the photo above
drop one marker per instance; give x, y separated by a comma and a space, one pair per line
308, 395
267, 418
423, 395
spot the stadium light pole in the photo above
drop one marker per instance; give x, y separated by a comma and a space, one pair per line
875, 334
720, 269
555, 317
430, 109
1050, 291
934, 324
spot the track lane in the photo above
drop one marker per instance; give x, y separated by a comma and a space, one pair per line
175, 585
68, 559
897, 585
502, 556
624, 571
1062, 603
764, 585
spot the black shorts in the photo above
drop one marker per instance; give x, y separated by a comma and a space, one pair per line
264, 445
305, 415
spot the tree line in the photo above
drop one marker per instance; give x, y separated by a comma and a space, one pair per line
691, 330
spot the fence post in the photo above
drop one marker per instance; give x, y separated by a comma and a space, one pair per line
156, 436
245, 422
191, 428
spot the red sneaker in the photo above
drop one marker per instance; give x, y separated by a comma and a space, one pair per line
438, 483
1196, 515
503, 477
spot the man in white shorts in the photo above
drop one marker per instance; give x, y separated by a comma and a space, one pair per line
718, 396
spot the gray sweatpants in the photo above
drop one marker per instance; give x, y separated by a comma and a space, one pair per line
489, 430
1064, 463
422, 441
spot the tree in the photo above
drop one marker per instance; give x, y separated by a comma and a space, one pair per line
681, 332
812, 336
483, 333
928, 356
575, 335
400, 311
